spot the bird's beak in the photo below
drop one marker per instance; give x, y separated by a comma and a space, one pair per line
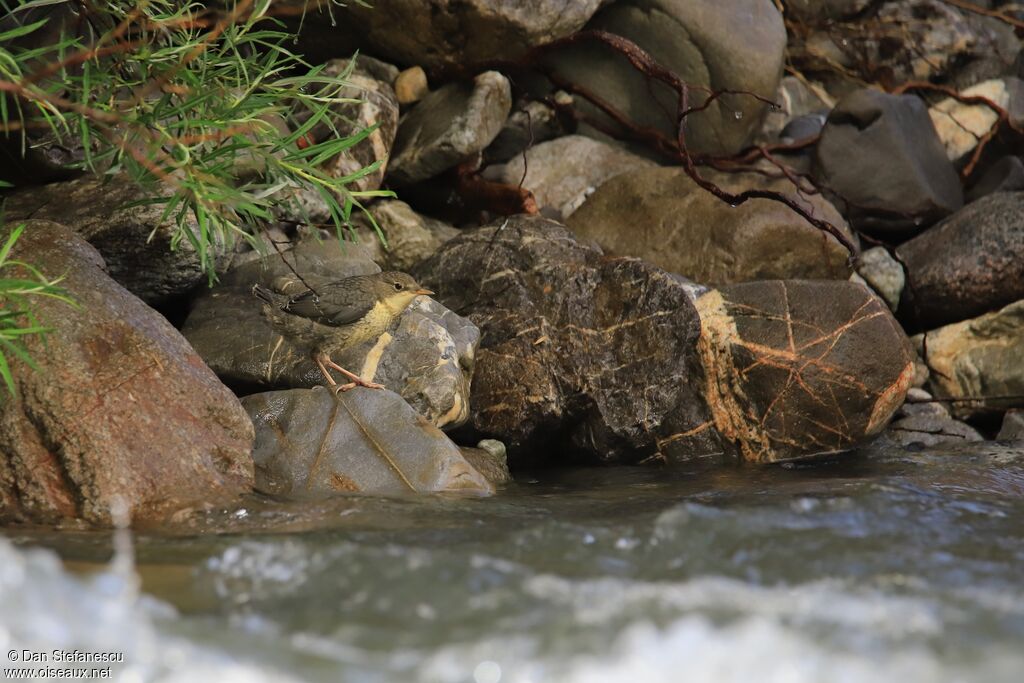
424, 292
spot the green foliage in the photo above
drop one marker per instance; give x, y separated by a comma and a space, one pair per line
203, 105
181, 97
19, 284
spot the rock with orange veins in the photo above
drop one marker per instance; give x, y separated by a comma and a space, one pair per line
800, 368
311, 444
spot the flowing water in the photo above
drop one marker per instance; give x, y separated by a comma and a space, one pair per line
886, 566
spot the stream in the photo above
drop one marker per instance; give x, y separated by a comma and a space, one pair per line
888, 565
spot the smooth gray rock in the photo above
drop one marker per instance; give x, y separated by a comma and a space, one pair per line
883, 274
720, 44
923, 422
98, 211
313, 444
563, 172
880, 157
530, 123
662, 216
120, 407
967, 265
428, 357
1013, 426
1005, 175
449, 126
411, 237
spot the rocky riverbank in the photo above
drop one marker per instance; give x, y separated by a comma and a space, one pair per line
596, 302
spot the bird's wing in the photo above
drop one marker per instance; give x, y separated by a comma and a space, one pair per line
332, 307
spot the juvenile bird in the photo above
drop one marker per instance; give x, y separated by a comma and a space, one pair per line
338, 314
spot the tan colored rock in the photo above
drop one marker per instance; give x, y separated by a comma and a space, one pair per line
979, 357
411, 85
662, 216
960, 126
120, 408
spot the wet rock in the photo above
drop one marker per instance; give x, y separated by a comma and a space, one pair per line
721, 44
922, 422
883, 274
1013, 426
411, 237
531, 123
411, 85
662, 216
99, 212
440, 33
313, 444
880, 156
580, 356
960, 126
563, 172
799, 368
979, 357
428, 357
120, 406
969, 264
1005, 175
449, 126
490, 459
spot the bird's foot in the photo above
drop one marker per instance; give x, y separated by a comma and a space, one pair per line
339, 388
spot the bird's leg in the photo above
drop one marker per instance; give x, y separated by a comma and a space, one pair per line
357, 381
319, 358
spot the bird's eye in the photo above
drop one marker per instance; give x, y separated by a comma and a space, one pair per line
399, 286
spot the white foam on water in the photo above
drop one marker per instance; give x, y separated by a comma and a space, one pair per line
44, 608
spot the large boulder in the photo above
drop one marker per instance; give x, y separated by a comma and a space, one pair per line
980, 357
969, 264
311, 443
579, 354
662, 216
440, 33
800, 368
428, 357
880, 157
120, 408
563, 172
737, 45
449, 126
134, 239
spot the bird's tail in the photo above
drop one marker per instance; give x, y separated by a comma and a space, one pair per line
265, 295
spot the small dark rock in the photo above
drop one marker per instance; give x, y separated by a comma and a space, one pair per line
880, 157
969, 264
1005, 175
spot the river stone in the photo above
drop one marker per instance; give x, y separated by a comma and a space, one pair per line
411, 237
960, 126
979, 357
563, 172
449, 126
98, 210
880, 157
923, 422
969, 264
531, 123
581, 356
721, 44
883, 274
443, 33
661, 215
490, 459
428, 357
1013, 426
800, 368
801, 113
1004, 175
121, 406
313, 444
